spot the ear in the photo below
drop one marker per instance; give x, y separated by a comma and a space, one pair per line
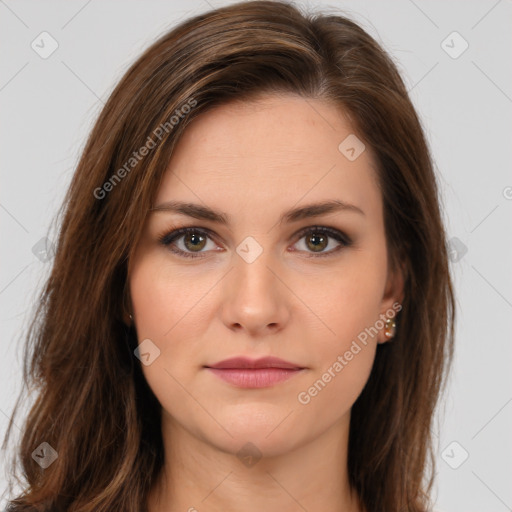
392, 299
127, 307
126, 319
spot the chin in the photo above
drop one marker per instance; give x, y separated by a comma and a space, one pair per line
250, 445
258, 427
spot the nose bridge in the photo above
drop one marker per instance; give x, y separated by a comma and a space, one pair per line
252, 273
255, 297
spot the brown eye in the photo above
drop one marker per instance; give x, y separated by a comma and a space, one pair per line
194, 242
318, 238
317, 242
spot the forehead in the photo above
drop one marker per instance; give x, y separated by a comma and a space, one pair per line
276, 150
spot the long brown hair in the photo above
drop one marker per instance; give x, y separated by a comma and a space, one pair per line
93, 405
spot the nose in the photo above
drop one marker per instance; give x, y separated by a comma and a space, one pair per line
255, 298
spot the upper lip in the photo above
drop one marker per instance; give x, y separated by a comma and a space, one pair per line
264, 362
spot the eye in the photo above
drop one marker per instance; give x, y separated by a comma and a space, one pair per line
317, 239
193, 240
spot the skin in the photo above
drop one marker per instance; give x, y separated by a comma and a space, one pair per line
254, 161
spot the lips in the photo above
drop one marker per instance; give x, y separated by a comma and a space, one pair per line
254, 373
245, 363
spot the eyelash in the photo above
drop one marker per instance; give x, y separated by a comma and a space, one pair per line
167, 238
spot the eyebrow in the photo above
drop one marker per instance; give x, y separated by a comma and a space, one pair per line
201, 212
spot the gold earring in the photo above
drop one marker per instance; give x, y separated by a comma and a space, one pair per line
390, 328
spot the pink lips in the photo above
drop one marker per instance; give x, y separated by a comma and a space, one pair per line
259, 373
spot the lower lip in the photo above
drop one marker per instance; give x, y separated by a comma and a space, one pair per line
254, 377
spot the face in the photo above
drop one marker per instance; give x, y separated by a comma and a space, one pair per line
309, 288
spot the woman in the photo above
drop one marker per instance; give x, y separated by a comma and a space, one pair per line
250, 305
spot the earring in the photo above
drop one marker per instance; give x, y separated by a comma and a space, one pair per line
390, 328
131, 317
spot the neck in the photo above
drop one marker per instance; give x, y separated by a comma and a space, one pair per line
198, 476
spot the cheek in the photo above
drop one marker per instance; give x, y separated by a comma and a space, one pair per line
168, 312
332, 391
164, 301
344, 354
345, 303
163, 308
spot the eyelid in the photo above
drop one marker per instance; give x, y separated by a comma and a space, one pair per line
170, 235
173, 233
330, 231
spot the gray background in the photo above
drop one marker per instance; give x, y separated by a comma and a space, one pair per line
49, 105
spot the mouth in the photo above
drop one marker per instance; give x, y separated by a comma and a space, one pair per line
249, 373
